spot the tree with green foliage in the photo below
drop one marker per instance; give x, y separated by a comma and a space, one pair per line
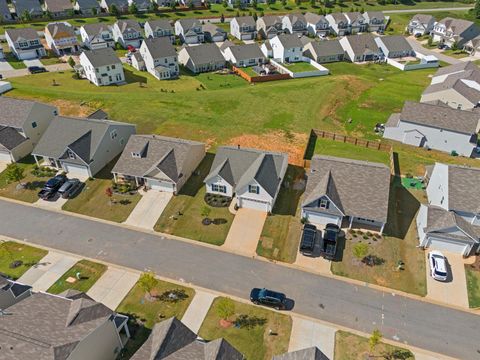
207, 4
255, 16
14, 173
147, 282
360, 250
222, 18
225, 3
430, 41
374, 340
237, 5
132, 8
114, 10
225, 308
94, 11
153, 7
262, 14
26, 16
312, 3
476, 9
284, 3
48, 15
455, 46
190, 4
71, 13
71, 62
254, 4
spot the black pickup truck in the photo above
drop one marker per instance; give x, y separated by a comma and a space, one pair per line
329, 242
51, 187
307, 242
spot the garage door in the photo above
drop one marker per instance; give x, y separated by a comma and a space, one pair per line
5, 157
322, 219
74, 170
160, 186
449, 246
254, 204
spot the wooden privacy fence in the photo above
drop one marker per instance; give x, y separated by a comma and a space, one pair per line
263, 78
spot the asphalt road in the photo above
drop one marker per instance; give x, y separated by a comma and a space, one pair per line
436, 328
415, 44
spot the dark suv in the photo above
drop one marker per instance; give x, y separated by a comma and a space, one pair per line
309, 236
268, 298
51, 187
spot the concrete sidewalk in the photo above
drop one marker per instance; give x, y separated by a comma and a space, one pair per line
54, 204
307, 333
113, 286
197, 310
48, 270
149, 209
245, 231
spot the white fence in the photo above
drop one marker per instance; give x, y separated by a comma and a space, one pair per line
321, 71
426, 61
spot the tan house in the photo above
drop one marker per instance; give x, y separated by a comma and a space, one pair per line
61, 38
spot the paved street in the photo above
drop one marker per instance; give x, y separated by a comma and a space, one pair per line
359, 307
418, 47
22, 72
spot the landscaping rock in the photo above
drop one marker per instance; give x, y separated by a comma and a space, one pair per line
15, 264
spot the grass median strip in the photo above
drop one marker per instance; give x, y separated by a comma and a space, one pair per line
473, 285
16, 258
79, 277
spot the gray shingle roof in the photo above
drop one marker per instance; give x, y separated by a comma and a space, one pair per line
96, 28
458, 26
461, 66
127, 24
226, 44
395, 43
464, 189
339, 17
312, 353
441, 117
245, 20
31, 6
363, 44
270, 20
247, 51
22, 33
189, 23
327, 48
440, 220
290, 40
357, 188
374, 15
314, 18
204, 54
160, 23
423, 18
15, 112
102, 57
58, 5
10, 138
88, 4
213, 29
60, 30
160, 47
120, 4
240, 166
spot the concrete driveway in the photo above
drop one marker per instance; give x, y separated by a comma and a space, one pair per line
3, 165
245, 231
54, 204
113, 286
454, 290
5, 66
307, 333
198, 309
33, 62
149, 209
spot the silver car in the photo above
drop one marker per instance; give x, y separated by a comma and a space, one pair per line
70, 188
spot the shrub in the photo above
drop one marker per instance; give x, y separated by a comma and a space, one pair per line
360, 250
225, 308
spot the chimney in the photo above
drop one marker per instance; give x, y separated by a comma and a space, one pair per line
238, 146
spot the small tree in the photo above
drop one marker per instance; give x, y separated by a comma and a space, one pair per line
360, 250
312, 3
476, 10
455, 46
71, 62
190, 4
225, 3
225, 308
374, 339
132, 8
109, 194
254, 4
113, 10
147, 282
94, 11
14, 173
71, 13
284, 3
222, 18
48, 15
26, 16
430, 41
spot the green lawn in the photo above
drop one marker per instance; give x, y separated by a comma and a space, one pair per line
255, 343
50, 60
473, 286
298, 67
281, 232
89, 271
184, 213
11, 251
349, 346
459, 54
143, 313
14, 62
398, 244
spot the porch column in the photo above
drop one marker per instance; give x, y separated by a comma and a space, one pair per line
136, 181
351, 222
36, 160
115, 177
383, 227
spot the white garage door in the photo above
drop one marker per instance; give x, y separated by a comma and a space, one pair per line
449, 246
254, 204
74, 170
160, 186
322, 219
5, 157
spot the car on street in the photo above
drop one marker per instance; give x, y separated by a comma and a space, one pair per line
36, 69
438, 265
268, 298
307, 242
51, 187
70, 188
329, 241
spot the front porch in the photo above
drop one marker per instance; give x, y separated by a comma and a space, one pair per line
49, 162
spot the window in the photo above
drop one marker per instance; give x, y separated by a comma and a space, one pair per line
113, 67
323, 204
253, 189
71, 154
34, 124
113, 134
219, 188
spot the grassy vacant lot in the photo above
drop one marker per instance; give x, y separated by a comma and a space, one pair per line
281, 232
11, 251
349, 346
89, 271
255, 342
398, 243
473, 286
143, 313
184, 213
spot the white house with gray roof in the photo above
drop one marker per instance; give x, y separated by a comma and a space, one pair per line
376, 21
295, 24
81, 147
395, 46
32, 7
160, 58
159, 28
87, 7
66, 326
158, 162
243, 27
317, 25
97, 36
449, 31
341, 189
361, 48
286, 48
356, 22
214, 33
189, 31
338, 23
253, 176
102, 67
25, 43
120, 5
325, 51
127, 33
244, 55
61, 38
436, 127
202, 58
421, 24
22, 124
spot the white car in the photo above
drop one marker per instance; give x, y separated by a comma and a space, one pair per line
438, 265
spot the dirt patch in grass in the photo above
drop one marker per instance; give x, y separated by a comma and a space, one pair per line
88, 273
282, 141
71, 108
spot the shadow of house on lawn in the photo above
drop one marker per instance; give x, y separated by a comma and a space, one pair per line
132, 78
292, 189
195, 182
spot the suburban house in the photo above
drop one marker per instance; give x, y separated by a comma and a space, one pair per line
317, 25
450, 31
457, 85
102, 67
472, 46
87, 7
193, 3
120, 5
324, 51
311, 353
171, 339
141, 5
82, 147
32, 7
395, 46
201, 58
70, 326
376, 21
294, 24
421, 24
269, 26
22, 124
5, 13
243, 28
338, 23
189, 31
287, 48
356, 22
361, 47
253, 176
436, 127
159, 28
158, 162
214, 33
25, 43
97, 36
58, 8
160, 58
341, 189
164, 3
137, 61
127, 33
12, 292
244, 55
61, 38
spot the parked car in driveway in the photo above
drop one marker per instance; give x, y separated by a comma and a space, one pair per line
438, 265
36, 69
329, 241
268, 298
70, 188
307, 242
51, 187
